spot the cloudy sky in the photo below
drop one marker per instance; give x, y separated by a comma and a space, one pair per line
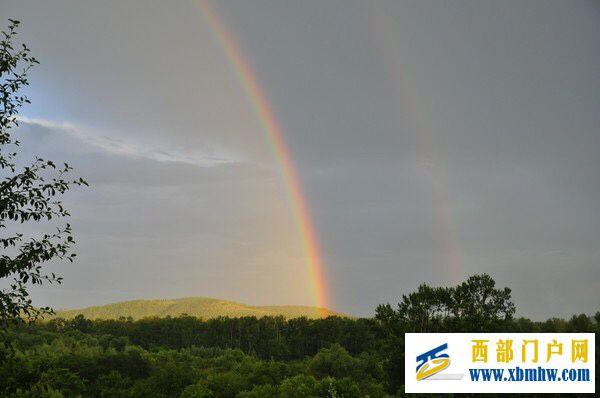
432, 139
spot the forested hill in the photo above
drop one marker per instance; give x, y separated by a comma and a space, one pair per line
200, 307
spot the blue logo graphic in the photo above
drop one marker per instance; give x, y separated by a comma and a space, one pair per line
432, 362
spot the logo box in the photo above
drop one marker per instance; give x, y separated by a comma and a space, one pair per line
499, 362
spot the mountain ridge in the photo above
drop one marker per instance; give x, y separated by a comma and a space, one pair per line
200, 307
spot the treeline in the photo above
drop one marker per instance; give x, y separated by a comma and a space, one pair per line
253, 357
266, 338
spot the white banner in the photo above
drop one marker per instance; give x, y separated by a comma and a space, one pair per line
500, 362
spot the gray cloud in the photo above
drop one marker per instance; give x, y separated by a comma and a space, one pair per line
468, 125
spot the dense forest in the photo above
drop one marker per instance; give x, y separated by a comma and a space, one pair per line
252, 357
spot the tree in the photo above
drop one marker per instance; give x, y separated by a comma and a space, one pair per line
478, 303
475, 304
27, 194
426, 308
334, 361
198, 390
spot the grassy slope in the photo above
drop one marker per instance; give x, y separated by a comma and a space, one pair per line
196, 306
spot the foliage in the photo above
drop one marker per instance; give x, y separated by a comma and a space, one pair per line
27, 194
475, 305
234, 357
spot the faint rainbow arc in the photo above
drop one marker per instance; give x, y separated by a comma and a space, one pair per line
274, 136
446, 227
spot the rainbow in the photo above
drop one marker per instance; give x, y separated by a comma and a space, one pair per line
409, 99
273, 133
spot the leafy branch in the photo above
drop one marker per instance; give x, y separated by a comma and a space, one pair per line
27, 194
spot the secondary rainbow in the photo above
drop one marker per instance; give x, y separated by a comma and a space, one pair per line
446, 228
271, 128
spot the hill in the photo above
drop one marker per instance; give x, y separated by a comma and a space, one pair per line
200, 307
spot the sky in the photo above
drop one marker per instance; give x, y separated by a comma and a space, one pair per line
431, 140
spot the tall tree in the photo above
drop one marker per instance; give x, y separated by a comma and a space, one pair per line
475, 304
27, 194
479, 303
425, 309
